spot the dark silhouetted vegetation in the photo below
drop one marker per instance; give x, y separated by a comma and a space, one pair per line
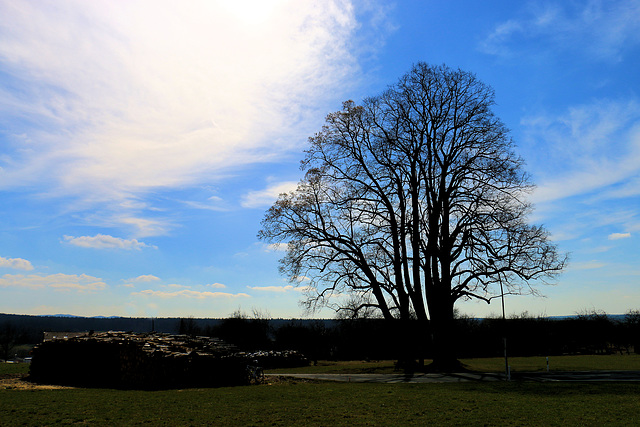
589, 332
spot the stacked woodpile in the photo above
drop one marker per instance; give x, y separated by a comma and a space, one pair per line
277, 359
139, 360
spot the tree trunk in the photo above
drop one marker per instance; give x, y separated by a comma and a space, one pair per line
442, 336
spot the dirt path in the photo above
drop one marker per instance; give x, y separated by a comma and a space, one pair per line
19, 382
584, 376
400, 378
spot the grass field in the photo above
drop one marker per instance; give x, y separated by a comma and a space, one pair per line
289, 402
518, 364
14, 368
614, 362
301, 403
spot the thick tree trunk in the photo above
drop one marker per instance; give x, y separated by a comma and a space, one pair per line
410, 347
444, 355
443, 336
406, 356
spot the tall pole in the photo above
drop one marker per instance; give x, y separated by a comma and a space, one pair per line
504, 335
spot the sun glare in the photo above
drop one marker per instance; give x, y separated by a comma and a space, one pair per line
251, 12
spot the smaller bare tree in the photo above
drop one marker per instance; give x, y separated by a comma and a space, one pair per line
9, 336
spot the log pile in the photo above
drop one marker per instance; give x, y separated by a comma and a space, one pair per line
144, 361
277, 359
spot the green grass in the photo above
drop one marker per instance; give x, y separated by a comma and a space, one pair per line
558, 363
494, 364
14, 368
295, 402
341, 367
300, 403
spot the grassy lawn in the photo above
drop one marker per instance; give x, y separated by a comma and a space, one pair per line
613, 362
304, 403
518, 364
14, 368
341, 367
293, 402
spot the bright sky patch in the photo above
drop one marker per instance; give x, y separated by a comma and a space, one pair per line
142, 141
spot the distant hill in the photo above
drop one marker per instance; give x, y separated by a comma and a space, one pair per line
60, 315
69, 323
73, 315
34, 326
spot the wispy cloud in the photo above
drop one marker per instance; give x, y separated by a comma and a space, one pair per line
588, 148
618, 236
176, 286
501, 35
213, 203
588, 265
101, 241
144, 227
16, 263
145, 278
279, 289
60, 282
600, 29
275, 247
187, 293
107, 101
266, 197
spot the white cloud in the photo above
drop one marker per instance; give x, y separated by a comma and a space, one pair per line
176, 286
276, 247
68, 286
144, 227
16, 263
116, 99
61, 282
266, 197
186, 293
217, 285
144, 278
278, 289
101, 241
618, 236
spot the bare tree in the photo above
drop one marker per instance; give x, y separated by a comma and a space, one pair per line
416, 200
9, 336
189, 326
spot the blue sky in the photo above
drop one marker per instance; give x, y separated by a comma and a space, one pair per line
142, 141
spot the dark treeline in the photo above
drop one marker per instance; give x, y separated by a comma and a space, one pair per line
32, 327
588, 333
350, 339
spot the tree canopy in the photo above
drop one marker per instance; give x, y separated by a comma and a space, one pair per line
411, 201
